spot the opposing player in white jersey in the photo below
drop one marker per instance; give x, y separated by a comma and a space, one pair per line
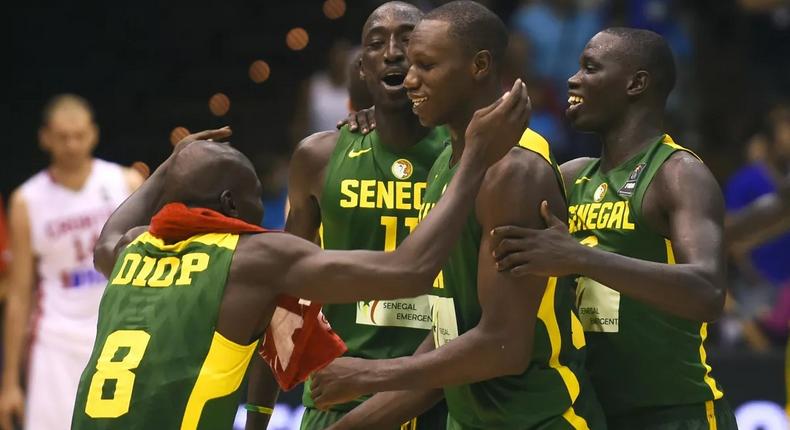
55, 218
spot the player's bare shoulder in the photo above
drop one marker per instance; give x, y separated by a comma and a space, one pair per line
521, 169
315, 150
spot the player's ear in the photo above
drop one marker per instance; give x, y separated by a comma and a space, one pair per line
228, 205
481, 64
638, 83
359, 69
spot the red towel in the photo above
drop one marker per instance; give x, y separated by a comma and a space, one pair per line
299, 340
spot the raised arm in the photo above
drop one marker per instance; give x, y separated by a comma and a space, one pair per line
138, 209
501, 343
347, 276
769, 213
691, 217
305, 180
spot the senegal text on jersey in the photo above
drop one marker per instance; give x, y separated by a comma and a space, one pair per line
598, 216
370, 193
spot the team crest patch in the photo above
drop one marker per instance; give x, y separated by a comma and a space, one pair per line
630, 185
600, 192
402, 168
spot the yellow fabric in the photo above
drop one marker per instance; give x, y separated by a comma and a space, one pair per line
577, 422
549, 318
710, 413
535, 143
223, 240
221, 374
703, 333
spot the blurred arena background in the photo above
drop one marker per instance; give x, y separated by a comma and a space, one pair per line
277, 70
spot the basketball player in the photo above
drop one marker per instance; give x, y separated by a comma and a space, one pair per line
55, 219
502, 347
645, 238
366, 191
180, 317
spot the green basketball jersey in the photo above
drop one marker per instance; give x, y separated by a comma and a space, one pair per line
370, 200
638, 356
158, 362
552, 393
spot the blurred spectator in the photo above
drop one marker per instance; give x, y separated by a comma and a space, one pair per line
557, 31
323, 98
55, 218
273, 173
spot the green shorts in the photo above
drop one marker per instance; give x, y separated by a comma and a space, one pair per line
434, 419
711, 415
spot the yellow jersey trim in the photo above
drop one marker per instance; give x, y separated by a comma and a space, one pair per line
703, 334
667, 140
221, 374
535, 143
223, 240
549, 317
577, 332
577, 422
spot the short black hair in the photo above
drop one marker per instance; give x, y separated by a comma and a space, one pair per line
474, 26
649, 51
399, 8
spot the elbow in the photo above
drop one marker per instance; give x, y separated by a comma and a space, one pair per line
103, 258
713, 307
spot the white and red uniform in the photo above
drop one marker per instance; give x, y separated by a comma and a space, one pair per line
64, 226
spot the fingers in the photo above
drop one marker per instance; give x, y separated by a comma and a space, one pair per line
516, 263
216, 135
548, 216
341, 123
506, 231
512, 98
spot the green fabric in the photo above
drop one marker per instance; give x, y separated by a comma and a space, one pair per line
638, 356
435, 418
686, 417
539, 395
371, 200
180, 320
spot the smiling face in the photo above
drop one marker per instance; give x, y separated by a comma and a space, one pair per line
597, 93
440, 75
384, 65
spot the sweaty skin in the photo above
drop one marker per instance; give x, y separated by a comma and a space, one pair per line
266, 265
689, 215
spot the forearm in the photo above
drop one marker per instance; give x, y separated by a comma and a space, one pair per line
16, 315
684, 290
475, 356
389, 409
134, 211
262, 391
764, 213
425, 250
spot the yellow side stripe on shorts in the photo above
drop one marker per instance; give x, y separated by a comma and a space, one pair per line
711, 414
577, 422
549, 317
409, 425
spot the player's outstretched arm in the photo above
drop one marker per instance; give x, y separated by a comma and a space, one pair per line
391, 409
306, 175
501, 343
769, 213
348, 276
139, 207
693, 288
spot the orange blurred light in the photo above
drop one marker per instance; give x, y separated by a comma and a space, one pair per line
297, 39
334, 9
142, 168
177, 134
259, 71
219, 104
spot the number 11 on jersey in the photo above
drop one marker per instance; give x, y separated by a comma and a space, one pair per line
390, 224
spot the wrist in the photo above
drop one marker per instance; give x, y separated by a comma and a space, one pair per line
582, 259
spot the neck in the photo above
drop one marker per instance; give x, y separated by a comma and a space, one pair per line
460, 121
399, 129
626, 138
71, 175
